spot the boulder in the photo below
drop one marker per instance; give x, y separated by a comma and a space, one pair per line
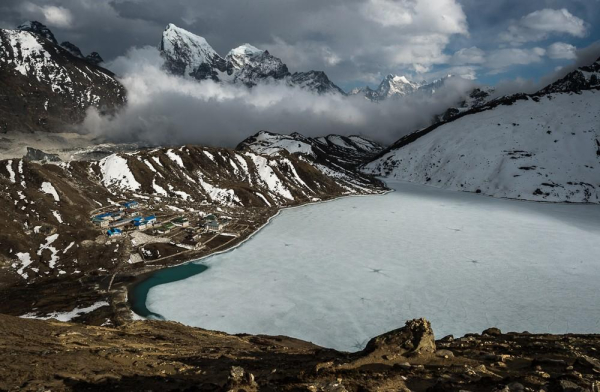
492, 332
415, 338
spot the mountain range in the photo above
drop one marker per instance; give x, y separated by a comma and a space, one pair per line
395, 86
190, 55
542, 146
49, 86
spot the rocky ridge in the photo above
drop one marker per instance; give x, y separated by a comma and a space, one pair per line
154, 355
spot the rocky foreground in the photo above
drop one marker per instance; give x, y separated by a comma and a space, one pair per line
165, 356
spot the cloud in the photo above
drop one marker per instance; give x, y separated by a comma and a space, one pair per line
561, 50
52, 15
472, 55
539, 25
501, 59
582, 57
165, 109
355, 42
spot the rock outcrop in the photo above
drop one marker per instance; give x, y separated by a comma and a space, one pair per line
415, 338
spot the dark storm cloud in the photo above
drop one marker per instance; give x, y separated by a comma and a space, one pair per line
354, 41
349, 39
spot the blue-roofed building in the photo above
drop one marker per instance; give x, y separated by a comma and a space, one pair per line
140, 225
130, 204
113, 232
150, 220
117, 215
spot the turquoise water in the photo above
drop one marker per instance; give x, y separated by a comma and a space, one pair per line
139, 293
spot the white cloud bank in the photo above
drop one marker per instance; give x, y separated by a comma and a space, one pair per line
165, 109
540, 24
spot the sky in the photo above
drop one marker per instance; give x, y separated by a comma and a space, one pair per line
356, 42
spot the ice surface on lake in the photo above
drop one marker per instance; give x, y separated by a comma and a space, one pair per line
339, 273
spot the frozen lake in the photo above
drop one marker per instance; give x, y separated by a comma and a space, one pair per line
339, 273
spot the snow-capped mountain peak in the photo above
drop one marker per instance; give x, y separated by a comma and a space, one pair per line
398, 79
188, 54
238, 56
39, 29
395, 85
249, 65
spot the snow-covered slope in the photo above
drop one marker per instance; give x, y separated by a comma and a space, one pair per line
347, 151
188, 54
250, 66
334, 156
48, 85
543, 147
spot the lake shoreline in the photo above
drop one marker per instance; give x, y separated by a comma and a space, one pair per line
131, 297
431, 235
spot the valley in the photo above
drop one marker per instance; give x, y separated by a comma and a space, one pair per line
156, 236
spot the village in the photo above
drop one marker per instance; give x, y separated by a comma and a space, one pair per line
158, 234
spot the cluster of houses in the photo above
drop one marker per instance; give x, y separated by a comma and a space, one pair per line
125, 215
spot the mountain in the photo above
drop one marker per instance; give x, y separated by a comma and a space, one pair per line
187, 54
394, 86
190, 55
250, 66
334, 155
45, 86
314, 81
543, 147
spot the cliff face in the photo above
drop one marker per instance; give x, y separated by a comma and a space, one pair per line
165, 356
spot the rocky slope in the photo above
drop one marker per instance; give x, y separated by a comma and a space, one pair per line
334, 155
542, 147
152, 355
48, 87
331, 150
190, 55
49, 237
